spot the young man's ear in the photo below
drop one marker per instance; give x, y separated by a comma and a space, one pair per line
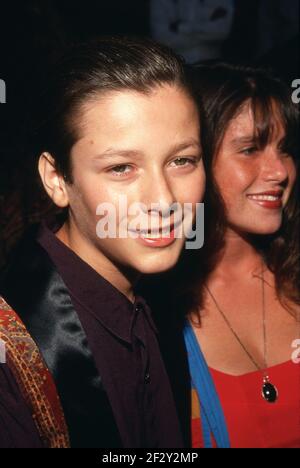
53, 182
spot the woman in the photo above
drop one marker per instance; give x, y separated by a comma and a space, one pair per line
242, 329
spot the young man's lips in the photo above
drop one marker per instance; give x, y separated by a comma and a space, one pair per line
163, 232
161, 242
157, 238
271, 199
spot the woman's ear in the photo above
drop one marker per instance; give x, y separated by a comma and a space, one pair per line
53, 182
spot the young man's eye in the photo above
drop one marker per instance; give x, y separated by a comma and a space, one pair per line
184, 162
121, 169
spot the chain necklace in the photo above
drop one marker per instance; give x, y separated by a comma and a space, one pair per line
269, 391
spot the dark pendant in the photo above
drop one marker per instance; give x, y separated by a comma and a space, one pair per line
269, 392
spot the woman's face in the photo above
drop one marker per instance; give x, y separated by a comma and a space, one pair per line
255, 183
145, 148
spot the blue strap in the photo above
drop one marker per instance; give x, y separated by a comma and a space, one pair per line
212, 416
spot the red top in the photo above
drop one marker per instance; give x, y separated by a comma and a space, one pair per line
251, 421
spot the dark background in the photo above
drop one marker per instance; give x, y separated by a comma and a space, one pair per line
33, 32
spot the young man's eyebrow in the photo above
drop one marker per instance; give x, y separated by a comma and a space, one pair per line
185, 145
137, 154
117, 152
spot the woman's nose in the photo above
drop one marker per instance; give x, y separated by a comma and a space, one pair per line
274, 166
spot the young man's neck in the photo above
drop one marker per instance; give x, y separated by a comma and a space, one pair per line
94, 258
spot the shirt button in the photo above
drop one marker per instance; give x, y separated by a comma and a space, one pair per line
138, 308
147, 378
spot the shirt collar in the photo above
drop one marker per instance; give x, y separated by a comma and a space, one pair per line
111, 307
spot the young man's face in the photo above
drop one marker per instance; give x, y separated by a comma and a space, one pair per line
144, 147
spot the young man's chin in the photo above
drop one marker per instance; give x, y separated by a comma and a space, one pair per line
158, 262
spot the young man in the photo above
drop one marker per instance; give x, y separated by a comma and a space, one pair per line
116, 126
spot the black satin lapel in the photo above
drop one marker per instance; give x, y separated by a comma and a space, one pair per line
33, 287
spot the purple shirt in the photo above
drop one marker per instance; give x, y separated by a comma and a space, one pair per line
123, 340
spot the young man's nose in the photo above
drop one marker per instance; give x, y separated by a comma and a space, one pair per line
157, 190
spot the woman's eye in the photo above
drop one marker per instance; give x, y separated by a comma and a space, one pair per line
249, 151
183, 162
285, 152
121, 169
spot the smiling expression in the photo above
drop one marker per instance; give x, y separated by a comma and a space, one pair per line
255, 183
144, 146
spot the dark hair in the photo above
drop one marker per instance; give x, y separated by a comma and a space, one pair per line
222, 92
99, 66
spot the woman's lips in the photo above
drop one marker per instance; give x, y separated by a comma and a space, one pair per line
270, 200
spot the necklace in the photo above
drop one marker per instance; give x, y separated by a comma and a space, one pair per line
269, 391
